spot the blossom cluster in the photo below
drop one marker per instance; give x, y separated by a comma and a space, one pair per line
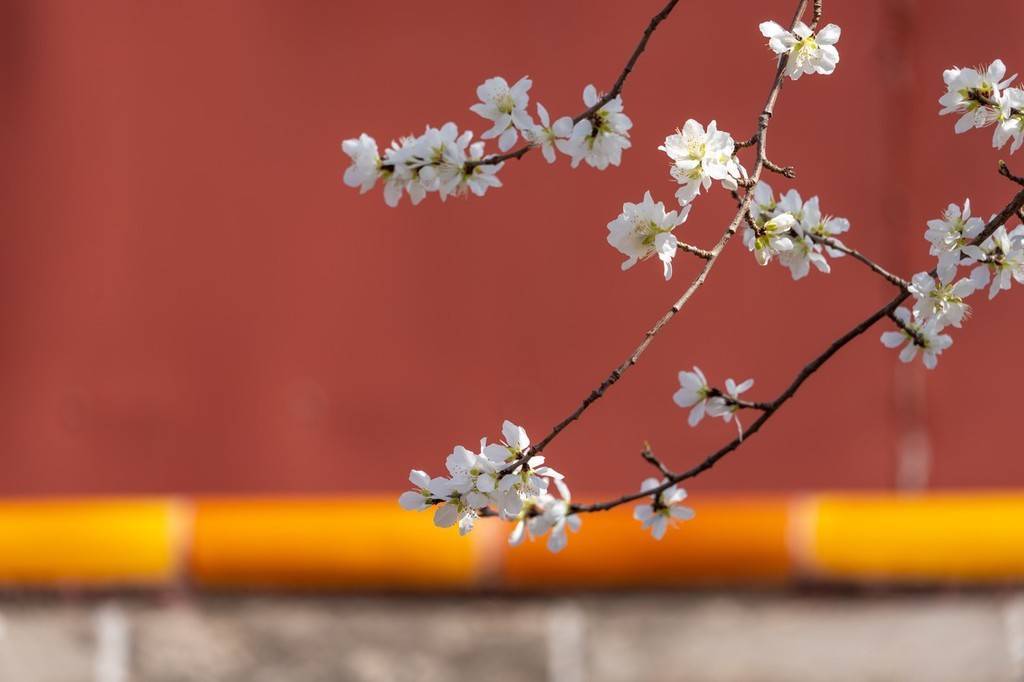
983, 97
700, 156
445, 161
808, 52
695, 392
502, 478
793, 230
939, 297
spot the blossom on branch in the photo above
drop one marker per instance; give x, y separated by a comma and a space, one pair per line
546, 135
942, 302
365, 168
918, 334
949, 235
808, 53
665, 510
972, 93
599, 138
701, 156
1000, 258
645, 229
693, 392
506, 107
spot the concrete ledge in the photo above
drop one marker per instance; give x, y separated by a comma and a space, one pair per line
364, 543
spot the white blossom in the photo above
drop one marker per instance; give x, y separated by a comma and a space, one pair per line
425, 491
1000, 258
365, 168
772, 238
826, 227
645, 229
969, 93
665, 511
942, 302
441, 155
726, 406
808, 53
506, 107
949, 235
600, 138
482, 176
923, 335
545, 134
804, 253
1009, 119
546, 513
693, 392
701, 156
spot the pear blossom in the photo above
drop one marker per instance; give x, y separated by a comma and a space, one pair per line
545, 134
546, 513
400, 172
600, 138
922, 334
772, 238
693, 392
506, 107
803, 254
826, 227
942, 302
480, 177
725, 406
763, 206
701, 156
441, 155
808, 53
949, 235
525, 480
666, 509
970, 92
426, 491
645, 229
365, 168
1009, 119
1000, 258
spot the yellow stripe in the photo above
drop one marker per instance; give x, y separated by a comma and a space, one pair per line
926, 538
88, 542
355, 543
360, 543
729, 541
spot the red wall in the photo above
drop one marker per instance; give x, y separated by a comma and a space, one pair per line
191, 300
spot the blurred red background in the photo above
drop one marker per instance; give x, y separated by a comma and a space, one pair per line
193, 302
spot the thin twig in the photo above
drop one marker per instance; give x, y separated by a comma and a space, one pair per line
1005, 172
832, 243
762, 138
654, 461
700, 253
787, 171
607, 97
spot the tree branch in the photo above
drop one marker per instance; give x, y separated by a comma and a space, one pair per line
853, 253
607, 97
887, 310
762, 126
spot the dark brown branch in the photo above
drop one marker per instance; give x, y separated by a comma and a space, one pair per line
607, 97
816, 15
762, 138
853, 253
887, 310
917, 337
1005, 172
654, 461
